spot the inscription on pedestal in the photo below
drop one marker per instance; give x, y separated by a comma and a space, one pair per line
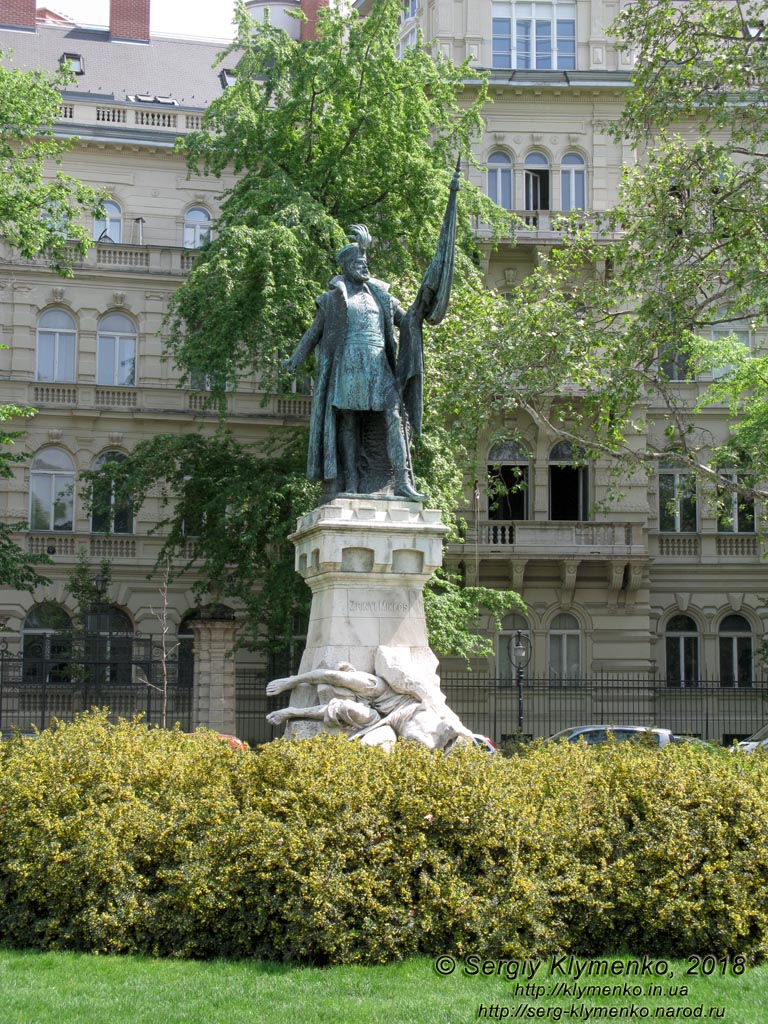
378, 606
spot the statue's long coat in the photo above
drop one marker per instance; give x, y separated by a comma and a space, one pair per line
328, 334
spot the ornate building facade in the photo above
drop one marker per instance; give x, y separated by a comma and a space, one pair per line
651, 611
647, 607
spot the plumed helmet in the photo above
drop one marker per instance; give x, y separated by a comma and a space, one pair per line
359, 239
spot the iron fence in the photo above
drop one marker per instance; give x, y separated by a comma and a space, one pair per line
253, 705
491, 706
704, 708
58, 675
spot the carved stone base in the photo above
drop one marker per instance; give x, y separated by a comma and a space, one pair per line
366, 562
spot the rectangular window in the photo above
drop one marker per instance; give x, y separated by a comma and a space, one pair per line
568, 493
736, 512
740, 334
52, 505
682, 661
523, 48
677, 502
534, 36
564, 657
544, 45
508, 492
116, 361
573, 189
500, 186
502, 43
55, 356
566, 44
735, 661
407, 42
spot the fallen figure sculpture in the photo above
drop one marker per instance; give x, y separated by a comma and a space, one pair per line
376, 709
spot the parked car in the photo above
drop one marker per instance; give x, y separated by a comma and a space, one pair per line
758, 741
484, 743
594, 734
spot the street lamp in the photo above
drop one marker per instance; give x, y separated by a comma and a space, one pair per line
520, 651
101, 639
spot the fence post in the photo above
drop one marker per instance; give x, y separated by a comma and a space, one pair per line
213, 692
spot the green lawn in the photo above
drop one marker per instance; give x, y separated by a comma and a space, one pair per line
66, 988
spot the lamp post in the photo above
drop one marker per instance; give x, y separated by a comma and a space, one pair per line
100, 584
520, 651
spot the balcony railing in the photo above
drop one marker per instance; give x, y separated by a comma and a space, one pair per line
537, 538
548, 226
148, 399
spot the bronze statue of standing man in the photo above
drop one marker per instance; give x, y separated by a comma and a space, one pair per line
368, 385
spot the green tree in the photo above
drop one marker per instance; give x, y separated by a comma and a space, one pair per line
39, 211
321, 135
18, 569
652, 292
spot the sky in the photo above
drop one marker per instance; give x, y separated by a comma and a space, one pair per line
210, 19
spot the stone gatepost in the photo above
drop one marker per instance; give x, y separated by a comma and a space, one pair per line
366, 562
213, 692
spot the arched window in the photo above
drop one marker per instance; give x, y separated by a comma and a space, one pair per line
500, 179
110, 227
197, 227
504, 662
735, 643
46, 644
109, 646
573, 182
108, 517
536, 185
108, 619
51, 491
568, 484
116, 351
56, 343
46, 618
509, 481
682, 651
565, 648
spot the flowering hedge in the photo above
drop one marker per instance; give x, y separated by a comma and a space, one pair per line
128, 839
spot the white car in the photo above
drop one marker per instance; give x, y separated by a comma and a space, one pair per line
593, 734
757, 742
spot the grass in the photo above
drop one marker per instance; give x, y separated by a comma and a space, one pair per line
76, 988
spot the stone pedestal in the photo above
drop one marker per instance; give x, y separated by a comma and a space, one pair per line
366, 562
213, 693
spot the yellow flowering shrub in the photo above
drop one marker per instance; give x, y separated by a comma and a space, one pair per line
123, 838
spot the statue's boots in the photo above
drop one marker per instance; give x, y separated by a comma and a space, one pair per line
397, 459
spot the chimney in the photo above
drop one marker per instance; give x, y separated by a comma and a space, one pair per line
129, 20
18, 14
310, 8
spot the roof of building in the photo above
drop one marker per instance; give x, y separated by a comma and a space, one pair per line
179, 69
